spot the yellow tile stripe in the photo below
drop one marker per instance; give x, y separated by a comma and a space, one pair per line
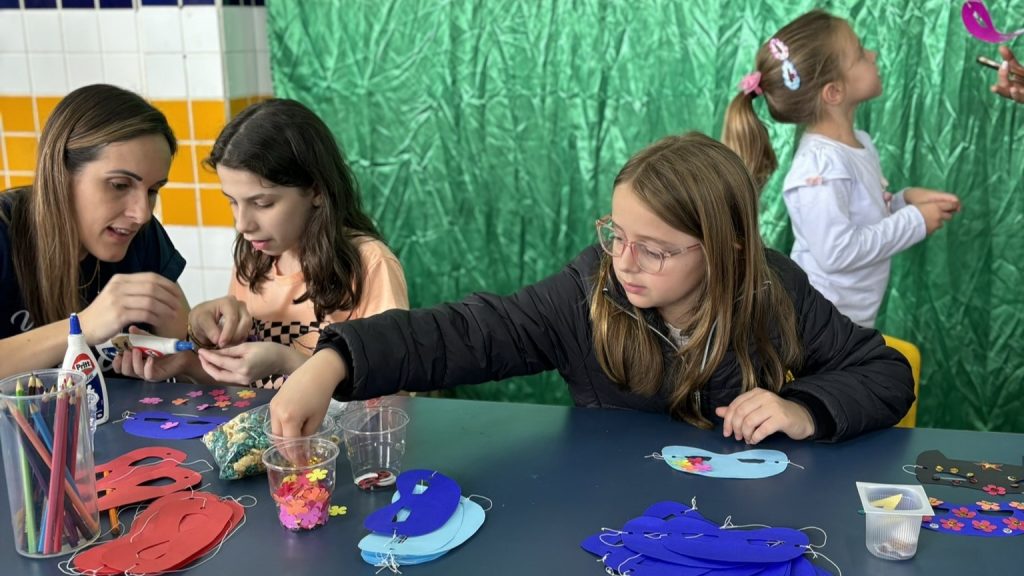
192, 196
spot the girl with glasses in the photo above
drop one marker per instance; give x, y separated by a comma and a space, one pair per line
678, 308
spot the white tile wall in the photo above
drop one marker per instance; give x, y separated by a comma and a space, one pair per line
201, 27
205, 76
42, 29
191, 282
216, 282
238, 32
259, 29
12, 32
81, 31
186, 240
14, 72
49, 76
242, 73
264, 79
118, 31
165, 76
84, 69
217, 243
160, 29
123, 69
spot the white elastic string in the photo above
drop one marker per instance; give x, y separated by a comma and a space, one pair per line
728, 525
825, 534
791, 463
908, 471
621, 564
610, 532
655, 455
126, 415
388, 562
490, 503
815, 554
238, 500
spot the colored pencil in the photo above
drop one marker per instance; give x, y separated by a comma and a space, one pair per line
56, 491
73, 422
79, 506
115, 526
26, 484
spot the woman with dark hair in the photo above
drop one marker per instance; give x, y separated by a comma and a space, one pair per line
82, 237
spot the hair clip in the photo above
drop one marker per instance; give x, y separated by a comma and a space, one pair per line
780, 52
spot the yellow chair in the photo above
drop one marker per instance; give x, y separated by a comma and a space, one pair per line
913, 356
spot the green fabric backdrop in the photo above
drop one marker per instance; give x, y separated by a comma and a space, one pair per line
485, 136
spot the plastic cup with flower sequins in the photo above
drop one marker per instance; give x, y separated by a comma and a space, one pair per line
301, 475
328, 430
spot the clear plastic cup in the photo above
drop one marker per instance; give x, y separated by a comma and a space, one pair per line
301, 474
375, 444
51, 516
892, 516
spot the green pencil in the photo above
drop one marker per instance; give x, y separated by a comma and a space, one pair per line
30, 514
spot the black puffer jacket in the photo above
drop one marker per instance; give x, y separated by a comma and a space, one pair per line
850, 380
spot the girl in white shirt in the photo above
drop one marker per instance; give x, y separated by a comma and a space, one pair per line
815, 73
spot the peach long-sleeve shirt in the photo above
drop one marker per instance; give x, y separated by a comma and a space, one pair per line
278, 319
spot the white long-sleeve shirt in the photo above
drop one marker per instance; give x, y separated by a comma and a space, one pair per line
846, 232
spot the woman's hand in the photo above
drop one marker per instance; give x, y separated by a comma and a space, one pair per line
142, 298
136, 364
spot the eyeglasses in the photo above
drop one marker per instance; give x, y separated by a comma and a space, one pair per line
614, 242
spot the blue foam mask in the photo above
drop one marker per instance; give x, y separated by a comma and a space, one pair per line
166, 426
467, 519
426, 500
747, 464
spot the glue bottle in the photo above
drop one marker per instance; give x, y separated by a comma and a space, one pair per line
79, 357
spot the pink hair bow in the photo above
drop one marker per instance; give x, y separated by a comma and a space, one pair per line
751, 83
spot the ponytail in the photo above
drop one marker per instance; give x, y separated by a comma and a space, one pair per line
747, 136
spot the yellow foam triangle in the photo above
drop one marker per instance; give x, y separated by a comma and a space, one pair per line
889, 503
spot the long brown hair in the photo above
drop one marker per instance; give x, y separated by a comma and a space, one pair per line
285, 143
700, 187
43, 224
815, 54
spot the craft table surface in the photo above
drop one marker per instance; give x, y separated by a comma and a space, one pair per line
557, 475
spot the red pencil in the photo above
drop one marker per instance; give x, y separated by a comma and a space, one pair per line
54, 516
73, 422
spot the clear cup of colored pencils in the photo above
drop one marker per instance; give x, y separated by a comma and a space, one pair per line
48, 462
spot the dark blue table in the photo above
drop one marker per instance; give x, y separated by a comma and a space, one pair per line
557, 475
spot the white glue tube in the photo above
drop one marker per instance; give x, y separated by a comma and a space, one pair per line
79, 357
155, 346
